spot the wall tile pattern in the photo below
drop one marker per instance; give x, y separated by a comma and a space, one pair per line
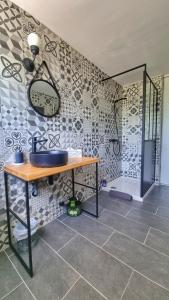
85, 119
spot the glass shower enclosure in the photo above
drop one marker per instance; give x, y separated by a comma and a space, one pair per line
149, 133
149, 97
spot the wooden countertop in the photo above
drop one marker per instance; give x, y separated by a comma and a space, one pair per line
29, 173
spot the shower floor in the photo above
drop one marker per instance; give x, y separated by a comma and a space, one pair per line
126, 185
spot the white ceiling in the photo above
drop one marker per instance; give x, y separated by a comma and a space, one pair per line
114, 34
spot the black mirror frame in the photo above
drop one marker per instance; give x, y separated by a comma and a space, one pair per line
29, 97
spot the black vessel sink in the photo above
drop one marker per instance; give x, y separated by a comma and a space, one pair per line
47, 159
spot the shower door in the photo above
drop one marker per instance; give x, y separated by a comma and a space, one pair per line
149, 133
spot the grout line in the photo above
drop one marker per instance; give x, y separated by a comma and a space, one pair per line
141, 243
159, 230
3, 297
12, 253
128, 212
153, 214
163, 217
101, 247
126, 217
112, 228
150, 213
70, 266
21, 277
100, 293
127, 285
108, 239
62, 219
110, 254
67, 242
147, 235
70, 288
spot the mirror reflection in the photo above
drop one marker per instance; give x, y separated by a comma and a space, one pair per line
44, 98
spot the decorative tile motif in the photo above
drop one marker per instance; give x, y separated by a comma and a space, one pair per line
13, 118
10, 17
29, 24
10, 45
77, 97
54, 140
78, 125
65, 61
67, 124
35, 121
18, 205
43, 215
40, 135
13, 94
50, 46
15, 140
54, 124
11, 69
3, 235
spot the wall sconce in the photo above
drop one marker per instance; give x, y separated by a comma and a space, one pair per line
33, 42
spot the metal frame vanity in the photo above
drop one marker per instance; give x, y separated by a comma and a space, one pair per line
27, 173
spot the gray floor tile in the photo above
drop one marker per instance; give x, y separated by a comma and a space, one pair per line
40, 255
121, 206
144, 205
163, 211
110, 203
9, 251
158, 240
62, 217
91, 229
83, 291
142, 289
149, 219
20, 293
144, 260
159, 196
56, 234
52, 276
9, 279
91, 207
100, 269
120, 223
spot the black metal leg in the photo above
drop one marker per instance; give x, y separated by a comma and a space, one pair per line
96, 189
97, 192
73, 183
29, 228
29, 268
7, 207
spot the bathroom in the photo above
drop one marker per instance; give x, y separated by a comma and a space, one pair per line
105, 114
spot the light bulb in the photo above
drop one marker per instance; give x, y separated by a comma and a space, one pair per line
33, 39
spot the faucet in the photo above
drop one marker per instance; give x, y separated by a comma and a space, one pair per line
35, 141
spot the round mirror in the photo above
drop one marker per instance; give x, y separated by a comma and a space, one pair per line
44, 98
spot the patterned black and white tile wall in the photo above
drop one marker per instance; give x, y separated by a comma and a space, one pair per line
85, 120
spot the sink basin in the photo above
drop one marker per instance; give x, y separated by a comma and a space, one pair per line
47, 159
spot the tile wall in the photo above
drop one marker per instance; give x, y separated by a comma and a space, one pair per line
85, 119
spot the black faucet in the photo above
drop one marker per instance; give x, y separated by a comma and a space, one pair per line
35, 141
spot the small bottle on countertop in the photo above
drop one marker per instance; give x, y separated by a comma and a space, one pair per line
19, 159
